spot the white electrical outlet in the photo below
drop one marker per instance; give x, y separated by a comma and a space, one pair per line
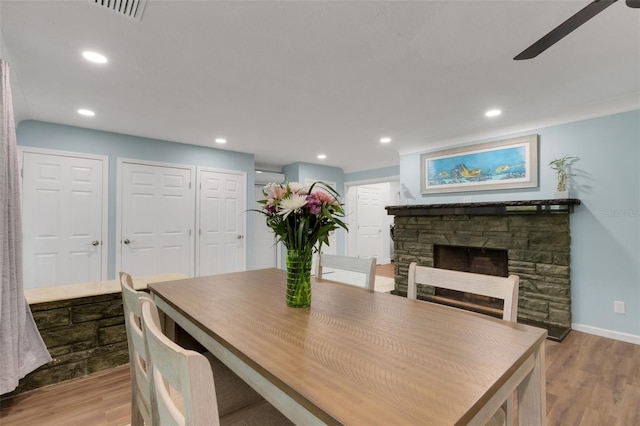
618, 307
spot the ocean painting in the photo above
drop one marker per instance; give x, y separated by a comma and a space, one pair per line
497, 165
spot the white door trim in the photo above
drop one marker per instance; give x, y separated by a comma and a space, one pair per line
105, 192
243, 177
119, 183
351, 250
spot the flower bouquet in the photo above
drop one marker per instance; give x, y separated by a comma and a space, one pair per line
302, 218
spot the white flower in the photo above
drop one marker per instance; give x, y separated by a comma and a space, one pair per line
295, 187
291, 203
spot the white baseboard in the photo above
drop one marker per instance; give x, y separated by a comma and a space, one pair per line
625, 337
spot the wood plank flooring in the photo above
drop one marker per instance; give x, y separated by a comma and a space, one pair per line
591, 381
387, 270
102, 398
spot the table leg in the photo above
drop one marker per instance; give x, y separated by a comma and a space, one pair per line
532, 407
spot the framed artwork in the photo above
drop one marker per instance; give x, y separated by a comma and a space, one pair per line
505, 164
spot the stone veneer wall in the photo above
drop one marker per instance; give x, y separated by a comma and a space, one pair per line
538, 248
82, 335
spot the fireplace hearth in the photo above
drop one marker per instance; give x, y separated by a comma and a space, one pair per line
533, 235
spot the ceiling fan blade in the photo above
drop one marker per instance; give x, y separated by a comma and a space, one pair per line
557, 34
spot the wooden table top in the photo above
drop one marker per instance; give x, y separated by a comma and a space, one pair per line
357, 357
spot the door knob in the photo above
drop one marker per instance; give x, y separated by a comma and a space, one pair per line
95, 243
240, 236
127, 241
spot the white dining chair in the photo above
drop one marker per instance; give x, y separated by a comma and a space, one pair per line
505, 288
351, 264
174, 369
234, 394
140, 390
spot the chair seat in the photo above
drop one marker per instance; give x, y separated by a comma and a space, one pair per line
232, 393
259, 414
238, 403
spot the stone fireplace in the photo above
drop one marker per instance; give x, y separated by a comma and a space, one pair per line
530, 239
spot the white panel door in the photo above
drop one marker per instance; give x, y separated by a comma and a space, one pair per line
221, 237
62, 204
265, 249
369, 216
157, 217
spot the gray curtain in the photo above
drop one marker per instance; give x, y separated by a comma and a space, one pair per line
21, 347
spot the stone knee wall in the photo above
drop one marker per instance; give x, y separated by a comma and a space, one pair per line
82, 335
538, 248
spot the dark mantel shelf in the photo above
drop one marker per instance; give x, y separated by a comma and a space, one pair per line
487, 208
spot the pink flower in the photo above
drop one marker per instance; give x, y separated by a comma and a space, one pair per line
275, 191
324, 198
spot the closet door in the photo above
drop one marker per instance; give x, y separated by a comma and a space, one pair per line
156, 219
221, 222
64, 218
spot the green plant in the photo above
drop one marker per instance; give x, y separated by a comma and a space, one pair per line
561, 167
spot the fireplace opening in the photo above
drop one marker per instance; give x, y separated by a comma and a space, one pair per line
476, 260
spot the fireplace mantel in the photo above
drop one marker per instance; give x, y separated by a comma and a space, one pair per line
487, 208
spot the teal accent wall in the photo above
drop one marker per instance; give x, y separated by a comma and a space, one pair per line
384, 172
291, 172
39, 134
605, 229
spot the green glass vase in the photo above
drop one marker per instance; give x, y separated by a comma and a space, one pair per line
299, 278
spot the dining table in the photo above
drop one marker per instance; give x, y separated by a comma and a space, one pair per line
356, 357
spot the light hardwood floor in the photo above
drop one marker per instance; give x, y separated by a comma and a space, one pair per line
591, 381
387, 270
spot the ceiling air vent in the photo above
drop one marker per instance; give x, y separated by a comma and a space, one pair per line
130, 8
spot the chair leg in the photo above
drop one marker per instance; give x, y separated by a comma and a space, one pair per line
509, 408
136, 415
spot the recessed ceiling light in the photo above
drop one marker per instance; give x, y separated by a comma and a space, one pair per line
385, 140
220, 140
86, 112
321, 156
94, 57
493, 113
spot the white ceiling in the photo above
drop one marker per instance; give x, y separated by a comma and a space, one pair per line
286, 80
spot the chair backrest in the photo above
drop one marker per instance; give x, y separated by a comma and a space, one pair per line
140, 381
485, 285
186, 372
348, 263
